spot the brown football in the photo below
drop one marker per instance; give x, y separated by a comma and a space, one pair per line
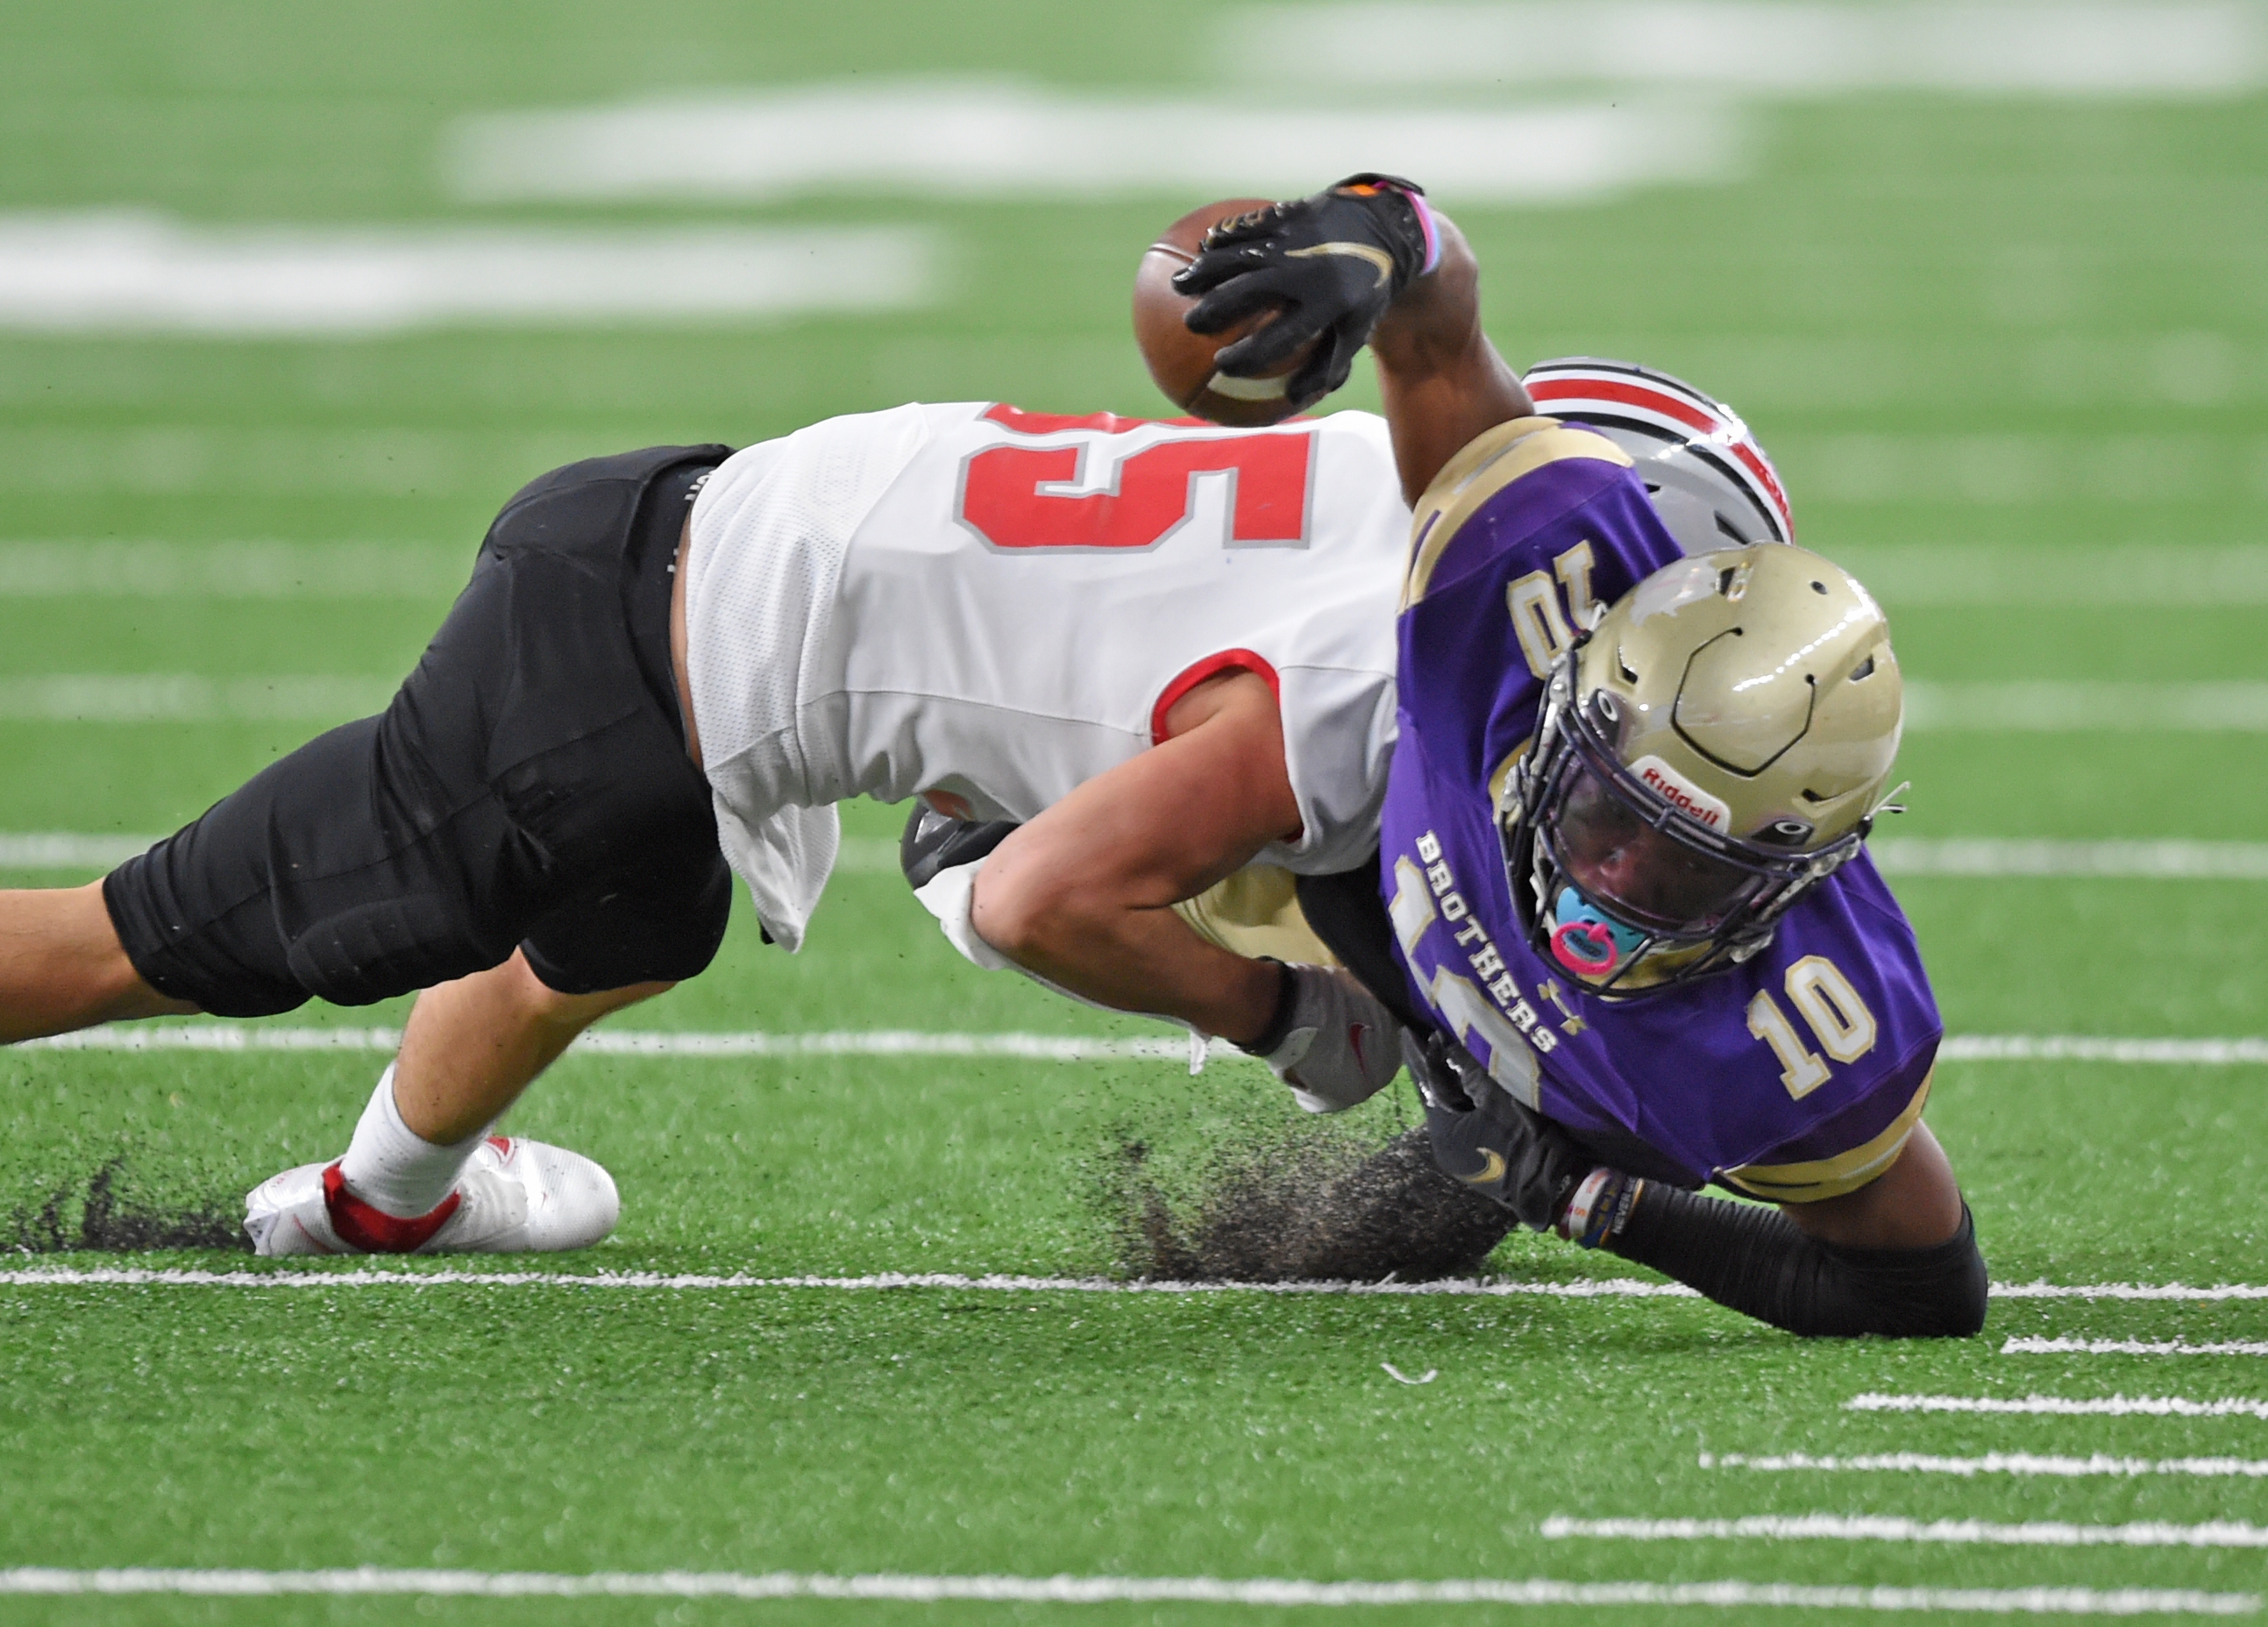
1182, 362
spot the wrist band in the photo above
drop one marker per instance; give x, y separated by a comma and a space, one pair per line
1411, 194
1425, 223
1601, 1207
1279, 1022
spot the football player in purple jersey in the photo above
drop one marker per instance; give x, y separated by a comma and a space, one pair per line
1622, 903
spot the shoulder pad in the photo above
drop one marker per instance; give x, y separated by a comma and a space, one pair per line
1486, 465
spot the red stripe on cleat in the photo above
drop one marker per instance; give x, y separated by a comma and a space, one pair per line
361, 1226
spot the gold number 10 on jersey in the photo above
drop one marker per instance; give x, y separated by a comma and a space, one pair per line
1830, 1008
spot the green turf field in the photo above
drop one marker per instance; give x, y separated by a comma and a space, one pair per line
2011, 354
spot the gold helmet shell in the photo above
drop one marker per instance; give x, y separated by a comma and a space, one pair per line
1714, 745
1762, 676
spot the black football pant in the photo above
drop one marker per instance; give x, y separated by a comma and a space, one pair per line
527, 788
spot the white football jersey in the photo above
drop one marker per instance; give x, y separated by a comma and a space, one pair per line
995, 606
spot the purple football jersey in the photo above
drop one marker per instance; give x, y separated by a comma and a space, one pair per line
1795, 1074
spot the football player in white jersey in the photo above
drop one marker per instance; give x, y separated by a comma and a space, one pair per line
1163, 650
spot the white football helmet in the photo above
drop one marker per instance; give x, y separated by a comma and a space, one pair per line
1711, 482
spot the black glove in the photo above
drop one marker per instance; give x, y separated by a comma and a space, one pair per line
1331, 264
1499, 1147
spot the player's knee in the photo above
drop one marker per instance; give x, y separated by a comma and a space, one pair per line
64, 967
88, 937
577, 1008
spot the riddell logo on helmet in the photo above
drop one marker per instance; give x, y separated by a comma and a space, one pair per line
1682, 793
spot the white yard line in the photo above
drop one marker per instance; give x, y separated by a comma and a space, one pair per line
2123, 576
135, 1277
1025, 1047
2128, 1290
2066, 1406
2026, 468
69, 850
2247, 1052
1993, 857
2238, 707
2132, 1347
75, 849
1892, 1528
1264, 1592
172, 460
192, 697
1983, 858
120, 568
1000, 138
1786, 48
135, 271
1989, 1463
638, 1042
1586, 1288
2045, 706
1967, 858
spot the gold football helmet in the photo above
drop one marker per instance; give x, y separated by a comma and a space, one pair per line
1715, 745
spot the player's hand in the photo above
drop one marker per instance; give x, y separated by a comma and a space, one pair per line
1338, 1045
1330, 264
1497, 1146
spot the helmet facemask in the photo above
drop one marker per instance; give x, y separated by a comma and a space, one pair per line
1618, 885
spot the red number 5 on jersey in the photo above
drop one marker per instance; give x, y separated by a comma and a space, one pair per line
1047, 497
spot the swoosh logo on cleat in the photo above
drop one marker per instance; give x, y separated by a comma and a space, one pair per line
1491, 1169
1377, 257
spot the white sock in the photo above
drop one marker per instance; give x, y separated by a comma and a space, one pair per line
392, 1167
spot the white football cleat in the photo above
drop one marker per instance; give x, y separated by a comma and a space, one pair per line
514, 1197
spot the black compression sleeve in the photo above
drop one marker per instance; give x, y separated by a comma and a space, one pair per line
1760, 1263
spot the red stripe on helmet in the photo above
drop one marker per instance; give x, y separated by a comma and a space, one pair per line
1595, 389
1753, 461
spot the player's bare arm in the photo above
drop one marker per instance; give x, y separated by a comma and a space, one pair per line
1082, 896
1083, 893
1442, 383
1914, 1203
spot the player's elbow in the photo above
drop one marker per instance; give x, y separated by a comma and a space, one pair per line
1967, 1289
1938, 1293
1036, 919
1967, 1320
